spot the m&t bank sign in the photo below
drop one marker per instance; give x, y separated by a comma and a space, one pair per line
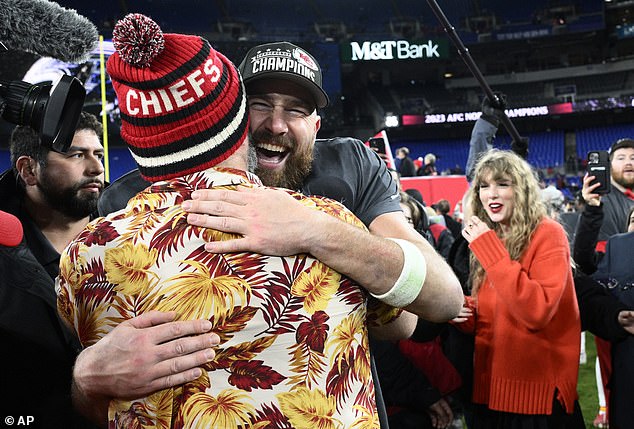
390, 50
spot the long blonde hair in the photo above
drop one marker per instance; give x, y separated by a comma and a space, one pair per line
528, 208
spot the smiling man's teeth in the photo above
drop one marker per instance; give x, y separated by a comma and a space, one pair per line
272, 147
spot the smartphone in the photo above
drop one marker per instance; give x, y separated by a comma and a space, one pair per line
377, 144
599, 167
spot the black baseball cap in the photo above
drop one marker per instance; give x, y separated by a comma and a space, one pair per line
620, 144
284, 60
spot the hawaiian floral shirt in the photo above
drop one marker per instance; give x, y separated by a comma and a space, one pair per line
294, 344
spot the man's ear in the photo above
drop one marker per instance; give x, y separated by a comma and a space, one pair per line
317, 124
27, 167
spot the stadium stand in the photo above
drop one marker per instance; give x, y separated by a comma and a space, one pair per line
538, 53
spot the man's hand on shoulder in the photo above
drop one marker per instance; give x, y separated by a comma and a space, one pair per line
270, 221
140, 356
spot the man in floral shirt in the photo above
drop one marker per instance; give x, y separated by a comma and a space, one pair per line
294, 333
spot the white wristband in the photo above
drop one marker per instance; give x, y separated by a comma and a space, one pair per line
410, 282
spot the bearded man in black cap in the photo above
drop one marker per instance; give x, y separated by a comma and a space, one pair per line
293, 332
618, 202
284, 89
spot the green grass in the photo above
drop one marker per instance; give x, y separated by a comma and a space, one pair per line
587, 386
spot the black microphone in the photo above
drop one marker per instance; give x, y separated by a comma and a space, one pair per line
47, 29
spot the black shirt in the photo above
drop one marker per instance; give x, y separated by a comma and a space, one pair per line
343, 169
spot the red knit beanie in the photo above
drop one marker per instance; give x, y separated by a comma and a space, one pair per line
183, 105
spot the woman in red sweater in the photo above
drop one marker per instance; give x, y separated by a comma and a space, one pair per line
523, 309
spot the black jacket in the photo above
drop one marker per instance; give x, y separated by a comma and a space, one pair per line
453, 225
599, 309
38, 352
616, 269
403, 385
407, 167
586, 236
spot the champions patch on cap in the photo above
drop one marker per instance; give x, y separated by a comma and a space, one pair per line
283, 60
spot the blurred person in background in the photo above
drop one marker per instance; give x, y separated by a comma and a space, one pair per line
414, 212
443, 239
429, 166
406, 165
551, 196
442, 208
417, 195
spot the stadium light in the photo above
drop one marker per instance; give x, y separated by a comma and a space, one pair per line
391, 121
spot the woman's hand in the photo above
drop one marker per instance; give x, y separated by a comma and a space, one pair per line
464, 315
474, 228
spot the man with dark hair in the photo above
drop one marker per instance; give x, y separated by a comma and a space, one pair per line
53, 195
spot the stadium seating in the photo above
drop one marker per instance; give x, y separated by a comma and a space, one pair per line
546, 150
601, 138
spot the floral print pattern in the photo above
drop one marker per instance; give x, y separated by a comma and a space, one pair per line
294, 346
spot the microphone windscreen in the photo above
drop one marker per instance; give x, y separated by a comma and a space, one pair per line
10, 230
45, 28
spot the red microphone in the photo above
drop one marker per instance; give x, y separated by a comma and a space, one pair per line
10, 230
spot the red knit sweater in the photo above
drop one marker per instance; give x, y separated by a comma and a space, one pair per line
527, 324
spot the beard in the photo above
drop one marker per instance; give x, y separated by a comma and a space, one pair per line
252, 157
627, 183
296, 167
69, 201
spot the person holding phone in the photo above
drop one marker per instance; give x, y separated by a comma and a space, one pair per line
599, 167
605, 213
618, 201
590, 220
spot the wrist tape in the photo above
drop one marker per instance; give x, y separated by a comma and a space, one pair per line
410, 282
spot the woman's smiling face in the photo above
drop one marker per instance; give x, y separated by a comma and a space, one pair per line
498, 198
